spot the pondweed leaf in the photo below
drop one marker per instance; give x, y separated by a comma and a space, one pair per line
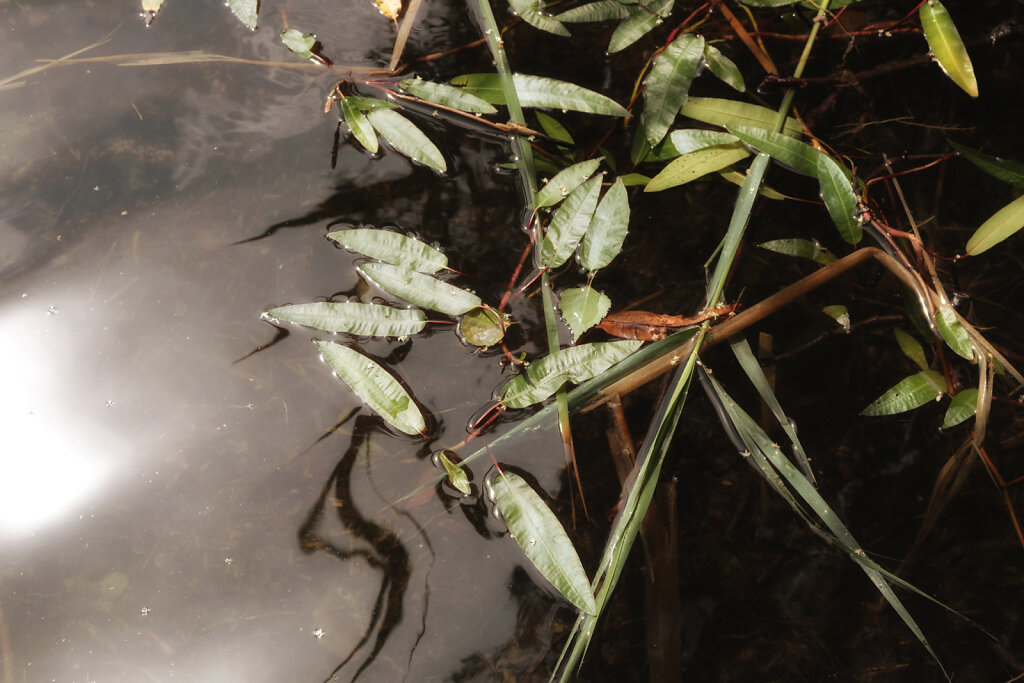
602, 10
541, 92
953, 333
909, 393
538, 532
359, 125
482, 327
668, 85
947, 46
963, 407
694, 165
245, 10
564, 182
375, 386
801, 248
406, 138
370, 103
642, 20
911, 348
353, 317
737, 179
1011, 172
299, 43
456, 475
797, 155
391, 247
446, 95
723, 68
574, 364
582, 308
422, 290
840, 199
568, 225
1003, 223
691, 139
727, 113
603, 240
554, 129
530, 11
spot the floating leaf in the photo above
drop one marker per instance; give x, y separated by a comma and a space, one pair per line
602, 10
245, 10
554, 129
953, 333
574, 364
370, 103
723, 68
420, 289
564, 182
945, 43
483, 327
802, 248
769, 3
737, 178
694, 165
1011, 172
691, 139
634, 179
603, 239
538, 91
1003, 223
797, 155
299, 43
909, 393
391, 247
352, 317
375, 386
538, 532
389, 8
568, 224
149, 10
840, 314
582, 308
668, 84
456, 475
642, 20
911, 348
840, 199
963, 407
360, 126
406, 138
530, 11
727, 113
446, 95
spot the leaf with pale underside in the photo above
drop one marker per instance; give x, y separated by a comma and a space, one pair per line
391, 247
691, 139
298, 42
422, 290
909, 393
727, 113
569, 224
406, 138
953, 333
245, 10
574, 364
389, 8
352, 317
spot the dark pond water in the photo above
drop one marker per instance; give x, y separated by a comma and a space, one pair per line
182, 499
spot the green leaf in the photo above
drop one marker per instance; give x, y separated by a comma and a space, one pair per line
406, 138
840, 199
1011, 172
574, 364
797, 155
568, 224
359, 124
692, 139
456, 475
391, 247
582, 308
769, 3
840, 314
422, 290
1003, 223
352, 317
299, 43
482, 327
737, 178
723, 68
375, 386
911, 348
634, 179
801, 248
370, 103
727, 113
946, 45
565, 182
245, 10
530, 11
668, 85
642, 20
963, 407
694, 165
603, 240
953, 333
554, 129
447, 96
541, 92
602, 10
909, 393
538, 532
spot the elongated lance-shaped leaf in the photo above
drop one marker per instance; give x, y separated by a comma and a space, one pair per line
360, 126
840, 199
694, 165
911, 348
723, 68
603, 240
540, 535
554, 128
245, 10
1011, 172
407, 139
798, 156
582, 308
947, 46
953, 333
565, 181
568, 225
422, 290
727, 113
909, 393
541, 92
446, 95
456, 475
574, 364
963, 407
668, 85
1001, 225
353, 317
375, 386
391, 247
530, 11
642, 20
692, 139
802, 248
602, 10
298, 42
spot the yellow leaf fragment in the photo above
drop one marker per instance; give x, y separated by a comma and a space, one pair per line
389, 8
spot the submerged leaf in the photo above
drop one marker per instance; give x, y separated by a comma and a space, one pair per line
406, 138
802, 248
375, 386
642, 20
541, 92
538, 532
530, 11
564, 182
911, 348
574, 364
727, 113
1011, 172
798, 156
603, 239
245, 10
602, 10
947, 46
840, 199
582, 308
568, 224
909, 393
422, 290
840, 314
554, 129
963, 407
391, 247
691, 139
1001, 225
352, 317
299, 43
953, 333
694, 165
668, 84
446, 95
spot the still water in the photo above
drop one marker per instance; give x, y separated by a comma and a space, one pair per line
174, 506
